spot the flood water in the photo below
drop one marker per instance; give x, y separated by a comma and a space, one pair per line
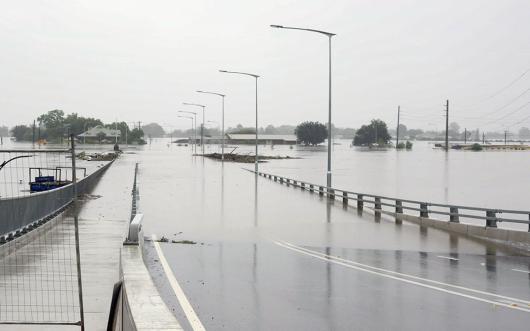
489, 179
257, 259
266, 256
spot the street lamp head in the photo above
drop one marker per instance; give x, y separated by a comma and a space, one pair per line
329, 34
208, 92
193, 104
223, 71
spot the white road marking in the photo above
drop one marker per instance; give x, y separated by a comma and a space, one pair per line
387, 273
413, 277
192, 317
519, 270
448, 257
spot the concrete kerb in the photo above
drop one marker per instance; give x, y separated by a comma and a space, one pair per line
140, 305
510, 238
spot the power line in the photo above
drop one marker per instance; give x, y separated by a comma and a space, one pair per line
510, 113
508, 86
509, 103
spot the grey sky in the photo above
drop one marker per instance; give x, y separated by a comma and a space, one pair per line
139, 60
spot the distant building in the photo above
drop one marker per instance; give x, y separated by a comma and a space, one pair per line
100, 131
247, 139
263, 139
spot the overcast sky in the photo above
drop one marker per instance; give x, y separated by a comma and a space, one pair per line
139, 60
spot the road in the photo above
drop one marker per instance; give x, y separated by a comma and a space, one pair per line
271, 257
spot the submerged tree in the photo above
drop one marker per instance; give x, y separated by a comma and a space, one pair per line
311, 133
374, 133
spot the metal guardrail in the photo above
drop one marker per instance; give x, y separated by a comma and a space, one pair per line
134, 235
135, 194
455, 212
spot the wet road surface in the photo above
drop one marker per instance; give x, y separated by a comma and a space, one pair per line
271, 257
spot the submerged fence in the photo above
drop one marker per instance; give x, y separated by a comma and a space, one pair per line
424, 209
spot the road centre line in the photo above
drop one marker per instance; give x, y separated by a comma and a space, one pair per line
414, 277
400, 277
192, 317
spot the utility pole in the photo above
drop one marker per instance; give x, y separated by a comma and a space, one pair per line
447, 126
483, 138
376, 134
505, 135
397, 129
465, 136
33, 137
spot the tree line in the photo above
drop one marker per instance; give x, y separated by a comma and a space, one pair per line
54, 126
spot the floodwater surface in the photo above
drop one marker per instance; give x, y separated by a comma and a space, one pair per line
271, 257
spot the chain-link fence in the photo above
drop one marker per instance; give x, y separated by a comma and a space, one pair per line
39, 278
40, 271
23, 172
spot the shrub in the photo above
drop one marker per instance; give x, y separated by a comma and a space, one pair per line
476, 147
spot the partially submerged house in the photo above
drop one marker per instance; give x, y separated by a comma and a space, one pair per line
246, 139
100, 134
263, 139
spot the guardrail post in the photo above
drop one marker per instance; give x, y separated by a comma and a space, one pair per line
302, 185
281, 180
360, 202
330, 193
344, 198
311, 188
275, 178
399, 207
320, 190
424, 212
491, 219
377, 203
287, 181
454, 215
294, 183
377, 206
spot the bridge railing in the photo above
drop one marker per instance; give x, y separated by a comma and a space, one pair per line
380, 203
135, 194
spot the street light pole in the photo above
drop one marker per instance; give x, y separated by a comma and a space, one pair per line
256, 78
222, 121
192, 125
329, 35
202, 127
194, 128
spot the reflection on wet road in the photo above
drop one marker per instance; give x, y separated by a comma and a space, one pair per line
271, 257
